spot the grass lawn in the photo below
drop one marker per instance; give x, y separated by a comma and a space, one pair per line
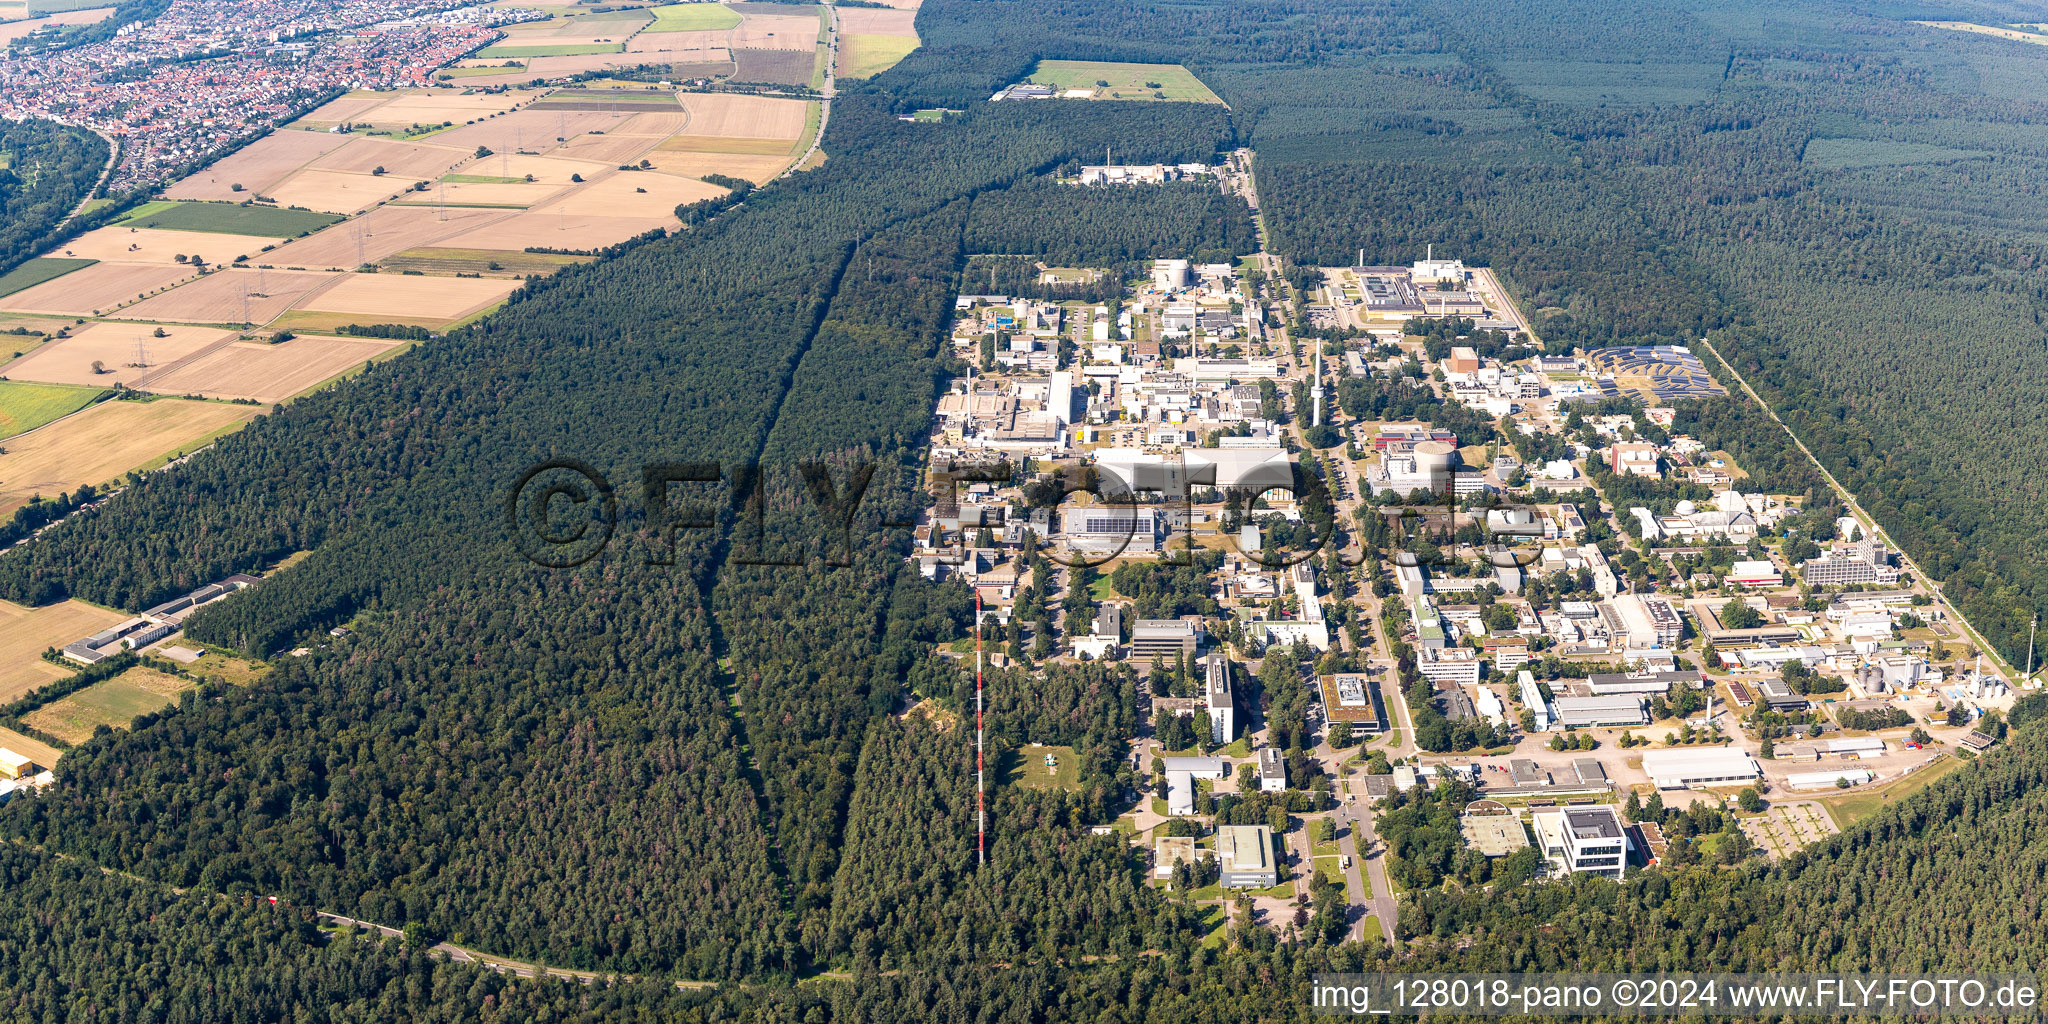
863, 55
551, 50
1126, 81
1327, 868
36, 271
223, 665
24, 407
228, 219
1159, 806
1239, 747
1283, 891
933, 114
1864, 801
1217, 922
1372, 931
1212, 891
693, 18
1030, 772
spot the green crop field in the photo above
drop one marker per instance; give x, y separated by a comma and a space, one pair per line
550, 50
36, 271
863, 55
693, 18
1126, 81
114, 703
24, 407
479, 261
227, 219
511, 69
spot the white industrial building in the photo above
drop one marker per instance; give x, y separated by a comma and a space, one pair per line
1600, 712
1585, 840
1682, 768
1532, 698
1816, 780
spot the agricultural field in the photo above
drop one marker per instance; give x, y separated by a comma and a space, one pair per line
269, 373
726, 115
232, 218
90, 290
114, 703
1125, 81
117, 348
259, 165
381, 298
777, 32
25, 633
337, 191
778, 67
399, 160
121, 243
24, 407
863, 55
36, 271
549, 50
233, 296
376, 235
105, 442
527, 131
2014, 34
44, 755
488, 262
23, 28
692, 18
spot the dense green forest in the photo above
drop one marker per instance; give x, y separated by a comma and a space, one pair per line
736, 753
46, 170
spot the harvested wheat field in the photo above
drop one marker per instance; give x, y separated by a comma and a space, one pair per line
459, 194
873, 21
399, 159
375, 235
158, 245
235, 296
25, 633
88, 290
348, 108
21, 29
776, 32
433, 106
659, 123
115, 346
754, 168
551, 170
686, 45
104, 442
750, 117
405, 295
575, 64
337, 191
265, 372
526, 130
257, 166
621, 195
540, 229
610, 150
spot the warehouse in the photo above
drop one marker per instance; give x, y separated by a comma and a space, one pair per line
1614, 710
1703, 766
1816, 780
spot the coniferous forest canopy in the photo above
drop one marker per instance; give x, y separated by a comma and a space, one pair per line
703, 769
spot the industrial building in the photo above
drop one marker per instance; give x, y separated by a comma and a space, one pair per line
1816, 780
1458, 666
1600, 712
1644, 684
1244, 854
1699, 766
1585, 840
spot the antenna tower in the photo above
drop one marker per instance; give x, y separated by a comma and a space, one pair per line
980, 791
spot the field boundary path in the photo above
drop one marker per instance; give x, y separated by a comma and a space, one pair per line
825, 94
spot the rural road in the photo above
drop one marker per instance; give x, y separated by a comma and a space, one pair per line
824, 105
1869, 523
500, 964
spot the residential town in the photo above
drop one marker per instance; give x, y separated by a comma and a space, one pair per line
203, 78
